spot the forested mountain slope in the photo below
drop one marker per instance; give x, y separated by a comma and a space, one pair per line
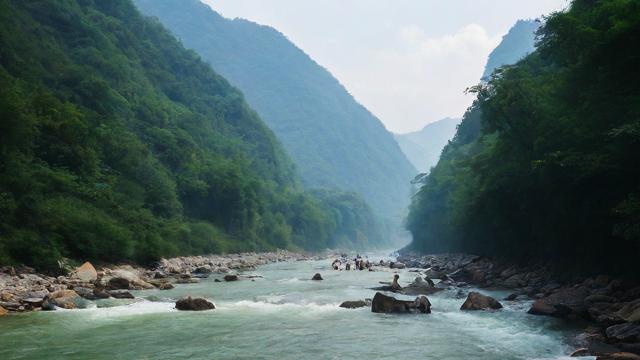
334, 141
516, 44
545, 164
423, 147
118, 144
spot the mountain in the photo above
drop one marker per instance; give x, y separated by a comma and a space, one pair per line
334, 141
544, 167
516, 44
423, 147
118, 144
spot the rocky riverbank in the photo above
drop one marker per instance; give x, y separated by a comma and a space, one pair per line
610, 307
22, 289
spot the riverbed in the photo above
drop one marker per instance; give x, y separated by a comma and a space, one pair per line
284, 315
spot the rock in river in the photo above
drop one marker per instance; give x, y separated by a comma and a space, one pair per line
355, 304
119, 283
317, 276
66, 299
230, 277
387, 304
3, 311
121, 294
628, 332
194, 304
477, 301
564, 302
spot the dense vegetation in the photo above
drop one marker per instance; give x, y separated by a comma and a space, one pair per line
545, 164
117, 144
423, 147
516, 44
334, 141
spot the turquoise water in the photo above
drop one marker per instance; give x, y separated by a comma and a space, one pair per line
282, 316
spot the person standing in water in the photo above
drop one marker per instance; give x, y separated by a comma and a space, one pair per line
394, 285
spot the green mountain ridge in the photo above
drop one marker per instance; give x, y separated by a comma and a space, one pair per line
334, 141
423, 147
544, 166
517, 43
117, 144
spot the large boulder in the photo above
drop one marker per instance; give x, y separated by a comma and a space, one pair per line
435, 274
194, 304
86, 293
132, 275
477, 301
119, 283
66, 299
627, 332
562, 303
86, 272
386, 304
630, 312
317, 276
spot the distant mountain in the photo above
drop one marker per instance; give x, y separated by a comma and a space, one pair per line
334, 141
516, 44
423, 147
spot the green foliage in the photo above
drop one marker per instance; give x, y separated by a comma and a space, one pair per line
118, 144
335, 142
545, 164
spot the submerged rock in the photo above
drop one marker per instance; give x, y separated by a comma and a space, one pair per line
121, 294
317, 276
165, 286
477, 301
580, 352
194, 304
230, 277
420, 286
386, 304
355, 304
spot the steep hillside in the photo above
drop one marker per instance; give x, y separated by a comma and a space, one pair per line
545, 165
334, 141
423, 147
118, 144
516, 44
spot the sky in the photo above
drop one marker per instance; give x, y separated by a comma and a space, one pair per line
407, 61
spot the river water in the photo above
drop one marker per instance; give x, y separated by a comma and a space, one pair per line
283, 315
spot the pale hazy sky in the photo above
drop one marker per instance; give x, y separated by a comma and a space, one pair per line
407, 61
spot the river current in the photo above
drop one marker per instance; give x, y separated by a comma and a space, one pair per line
283, 315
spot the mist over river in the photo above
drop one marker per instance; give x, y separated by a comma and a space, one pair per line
283, 315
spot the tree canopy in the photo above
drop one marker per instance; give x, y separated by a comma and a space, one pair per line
545, 163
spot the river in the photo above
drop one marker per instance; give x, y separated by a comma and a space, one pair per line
282, 315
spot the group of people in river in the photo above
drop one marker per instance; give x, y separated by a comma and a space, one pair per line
359, 263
